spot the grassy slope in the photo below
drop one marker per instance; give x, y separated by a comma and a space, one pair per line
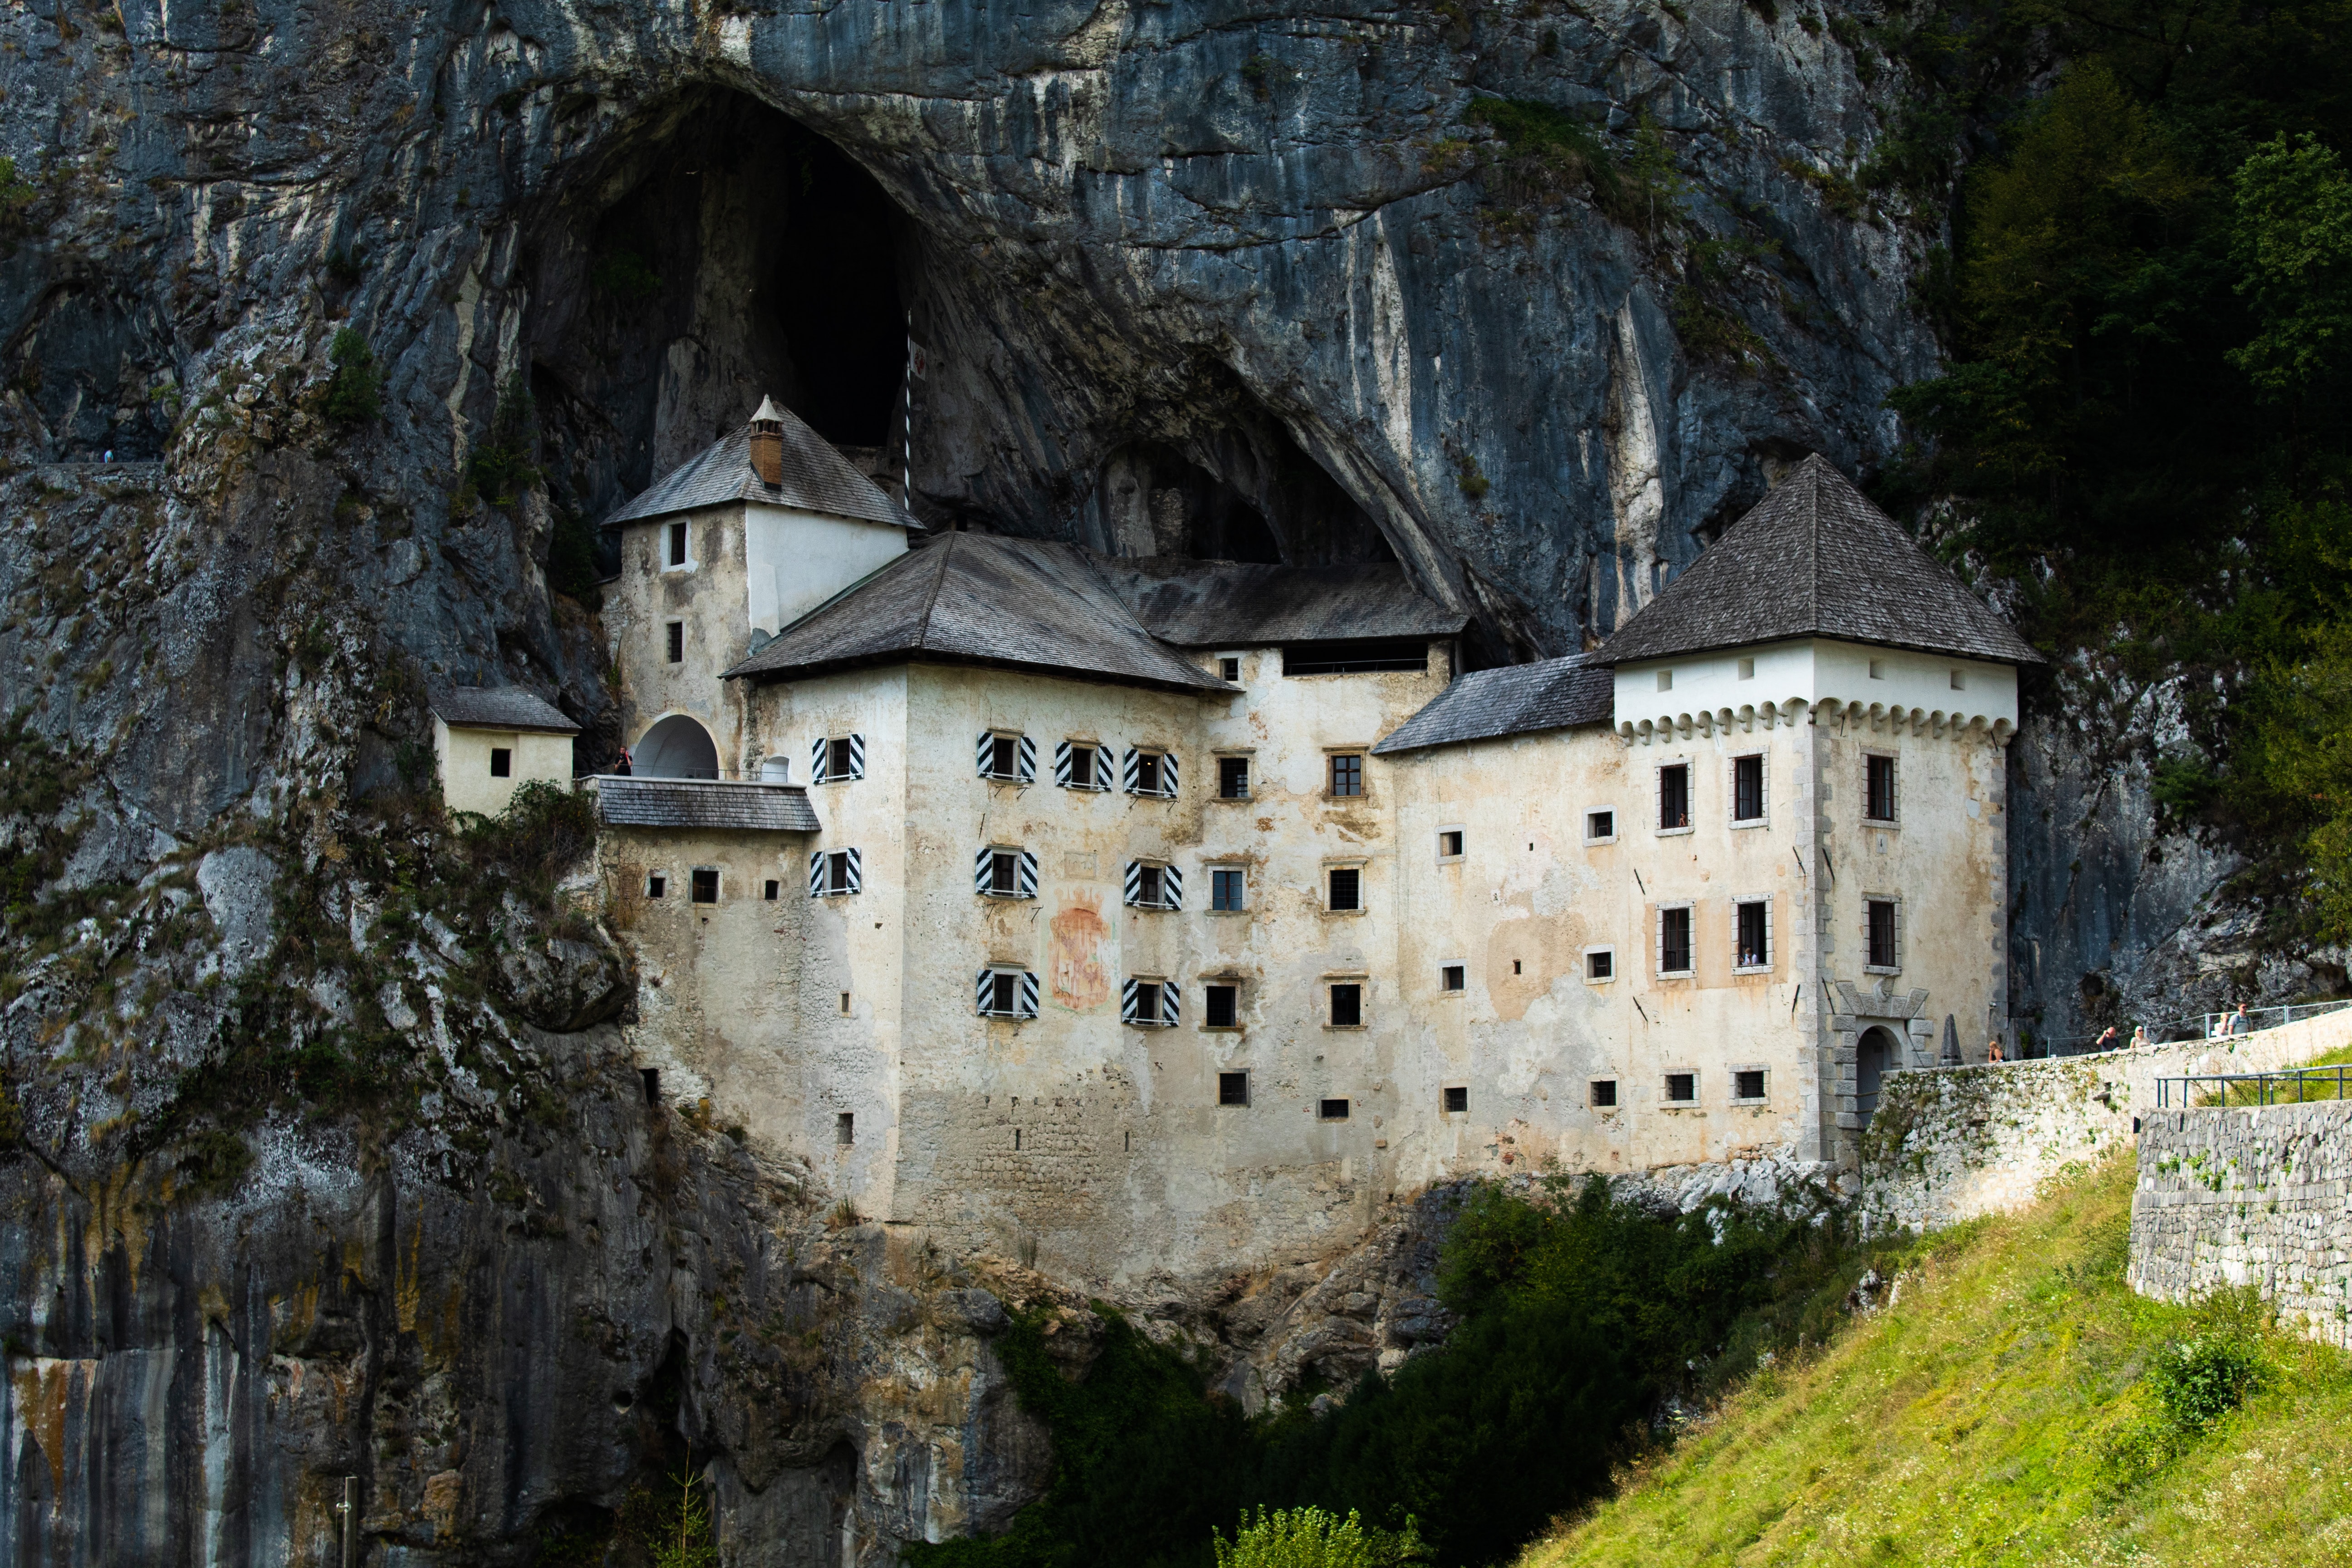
1971, 1421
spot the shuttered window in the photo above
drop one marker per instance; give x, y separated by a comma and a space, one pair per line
1150, 772
837, 759
1001, 873
1150, 886
1007, 993
1011, 758
1149, 1004
1082, 764
834, 872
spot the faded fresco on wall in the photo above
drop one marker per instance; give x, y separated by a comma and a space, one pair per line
1078, 958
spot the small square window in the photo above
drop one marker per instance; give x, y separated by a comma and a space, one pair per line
1665, 681
1457, 1099
1347, 1007
1232, 778
677, 544
1147, 773
1347, 889
1747, 1084
1877, 669
770, 889
1233, 1089
1600, 964
1147, 880
1599, 824
1146, 1006
1682, 1089
1453, 976
657, 886
1604, 1093
1005, 757
706, 885
1332, 1110
1229, 669
1219, 1006
840, 759
1673, 796
1746, 669
1004, 873
845, 1129
677, 647
1449, 844
502, 763
1346, 774
1082, 767
1227, 887
1960, 680
1005, 994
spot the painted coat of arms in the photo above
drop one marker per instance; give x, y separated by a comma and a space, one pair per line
1078, 957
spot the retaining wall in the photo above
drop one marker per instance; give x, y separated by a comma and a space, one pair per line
1949, 1143
2259, 1196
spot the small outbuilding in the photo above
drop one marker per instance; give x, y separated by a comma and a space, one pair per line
487, 742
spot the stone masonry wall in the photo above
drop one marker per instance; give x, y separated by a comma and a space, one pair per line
2260, 1195
1949, 1143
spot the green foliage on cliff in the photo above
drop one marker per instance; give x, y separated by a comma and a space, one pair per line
355, 394
501, 466
1579, 1314
1311, 1538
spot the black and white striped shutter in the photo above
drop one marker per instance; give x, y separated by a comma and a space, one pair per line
1127, 778
1134, 883
1168, 774
817, 751
816, 873
1172, 888
1171, 998
984, 991
986, 758
1027, 764
982, 864
1024, 874
1102, 767
1131, 1000
856, 874
857, 756
1028, 1003
1062, 764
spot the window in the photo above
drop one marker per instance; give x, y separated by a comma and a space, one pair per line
1082, 764
1960, 680
1673, 797
1675, 941
1331, 1110
1233, 1089
771, 889
1348, 774
1229, 668
1747, 789
1012, 757
1346, 889
1347, 1005
1232, 778
1604, 1094
845, 1129
1227, 888
1150, 772
676, 632
1457, 1098
1600, 963
705, 890
1356, 657
651, 1078
1879, 933
1599, 826
1748, 1083
1151, 887
1746, 669
1449, 844
1149, 1004
1878, 789
677, 544
835, 873
1665, 681
1877, 669
657, 886
1004, 874
1751, 934
1220, 1006
1514, 966
502, 763
1007, 994
1453, 976
844, 1004
1682, 1089
837, 759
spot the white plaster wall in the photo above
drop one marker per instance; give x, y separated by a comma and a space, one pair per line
795, 561
1813, 671
463, 757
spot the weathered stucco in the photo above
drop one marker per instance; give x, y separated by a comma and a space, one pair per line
461, 757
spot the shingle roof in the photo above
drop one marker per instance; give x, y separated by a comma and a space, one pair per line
1224, 604
978, 598
745, 806
816, 479
500, 708
1517, 700
1815, 558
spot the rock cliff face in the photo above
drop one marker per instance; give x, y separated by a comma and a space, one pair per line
1251, 282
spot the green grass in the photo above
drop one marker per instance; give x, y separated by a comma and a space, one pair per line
2288, 1092
1999, 1413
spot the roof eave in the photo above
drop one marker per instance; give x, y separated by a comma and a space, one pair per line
1207, 686
1602, 658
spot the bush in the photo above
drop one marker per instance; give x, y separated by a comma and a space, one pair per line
501, 465
355, 394
625, 275
1311, 1538
545, 830
2198, 1380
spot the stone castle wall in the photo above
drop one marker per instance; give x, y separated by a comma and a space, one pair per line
1949, 1143
2259, 1196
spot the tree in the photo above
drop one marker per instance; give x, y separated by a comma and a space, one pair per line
354, 395
2292, 241
1311, 1538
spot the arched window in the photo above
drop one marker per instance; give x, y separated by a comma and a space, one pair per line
676, 748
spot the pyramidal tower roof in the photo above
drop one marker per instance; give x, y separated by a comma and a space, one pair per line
1815, 558
816, 478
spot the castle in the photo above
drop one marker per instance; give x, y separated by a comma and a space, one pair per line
1171, 914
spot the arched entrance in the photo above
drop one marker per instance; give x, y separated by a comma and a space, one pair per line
676, 748
1875, 1057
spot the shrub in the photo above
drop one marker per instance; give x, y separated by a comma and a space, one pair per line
355, 394
625, 275
2198, 1380
1311, 1538
499, 467
545, 830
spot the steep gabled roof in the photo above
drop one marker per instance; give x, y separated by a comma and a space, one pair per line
1227, 604
1516, 699
978, 598
500, 708
816, 479
1815, 558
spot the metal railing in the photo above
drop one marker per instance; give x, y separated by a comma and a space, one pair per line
2285, 1015
2185, 1031
2268, 1087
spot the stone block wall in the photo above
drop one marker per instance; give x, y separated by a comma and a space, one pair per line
1949, 1143
2259, 1196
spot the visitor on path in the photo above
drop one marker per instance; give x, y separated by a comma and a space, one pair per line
2112, 1040
1992, 1051
2139, 1037
621, 768
2237, 1022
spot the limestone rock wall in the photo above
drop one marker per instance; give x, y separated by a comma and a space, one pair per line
2260, 1197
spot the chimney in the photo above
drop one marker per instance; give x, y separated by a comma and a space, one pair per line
768, 443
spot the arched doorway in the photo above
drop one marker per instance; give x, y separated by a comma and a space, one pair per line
676, 748
1875, 1057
